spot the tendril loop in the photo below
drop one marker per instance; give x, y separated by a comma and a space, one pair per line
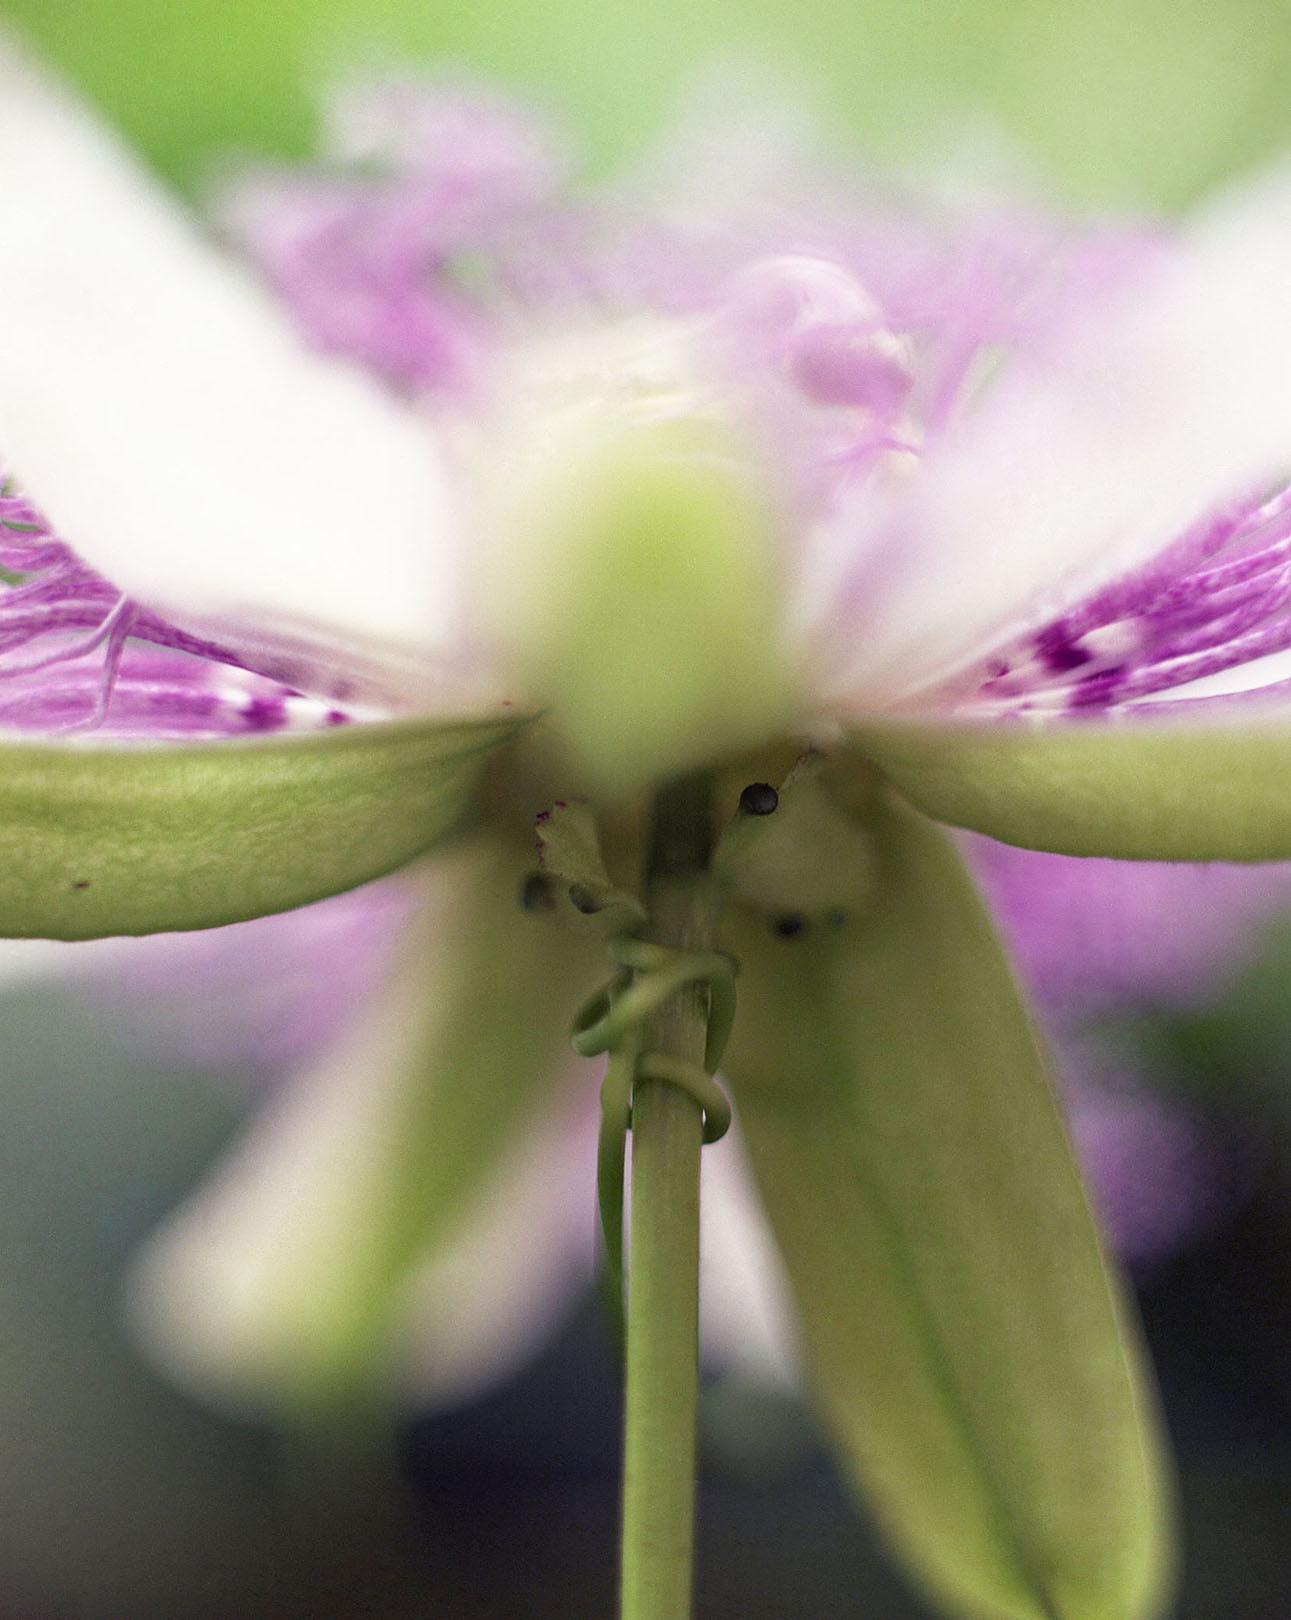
614, 1021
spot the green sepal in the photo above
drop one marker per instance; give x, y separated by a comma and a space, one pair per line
139, 840
806, 857
1165, 791
963, 1336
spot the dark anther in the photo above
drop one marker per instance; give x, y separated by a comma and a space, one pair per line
583, 900
536, 893
759, 799
788, 927
81, 883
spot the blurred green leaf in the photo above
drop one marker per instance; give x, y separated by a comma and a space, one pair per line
967, 1345
1168, 792
100, 840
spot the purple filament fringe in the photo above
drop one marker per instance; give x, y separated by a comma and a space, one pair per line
149, 678
1216, 598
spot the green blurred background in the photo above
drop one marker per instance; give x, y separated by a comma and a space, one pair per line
1126, 100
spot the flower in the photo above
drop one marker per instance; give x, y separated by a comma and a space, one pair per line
970, 506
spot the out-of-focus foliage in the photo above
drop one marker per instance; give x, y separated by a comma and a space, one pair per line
1127, 100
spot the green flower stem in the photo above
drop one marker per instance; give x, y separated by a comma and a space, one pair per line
663, 1256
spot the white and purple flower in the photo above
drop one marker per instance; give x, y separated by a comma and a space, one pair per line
1004, 470
490, 489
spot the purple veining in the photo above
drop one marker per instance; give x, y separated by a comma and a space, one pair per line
852, 329
1217, 597
149, 679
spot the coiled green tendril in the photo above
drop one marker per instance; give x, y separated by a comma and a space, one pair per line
614, 1021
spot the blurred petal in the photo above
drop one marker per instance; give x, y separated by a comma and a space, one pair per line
275, 991
157, 406
286, 1280
1090, 936
25, 960
1155, 1178
500, 1283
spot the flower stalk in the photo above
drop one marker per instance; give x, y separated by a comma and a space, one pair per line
663, 1264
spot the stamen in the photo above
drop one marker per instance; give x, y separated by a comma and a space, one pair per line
368, 255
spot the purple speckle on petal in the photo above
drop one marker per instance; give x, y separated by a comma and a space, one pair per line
265, 713
1060, 655
1097, 690
1215, 599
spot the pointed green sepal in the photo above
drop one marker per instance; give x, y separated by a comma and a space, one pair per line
969, 1348
139, 840
1171, 790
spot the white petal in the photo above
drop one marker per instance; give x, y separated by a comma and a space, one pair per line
1080, 464
155, 404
